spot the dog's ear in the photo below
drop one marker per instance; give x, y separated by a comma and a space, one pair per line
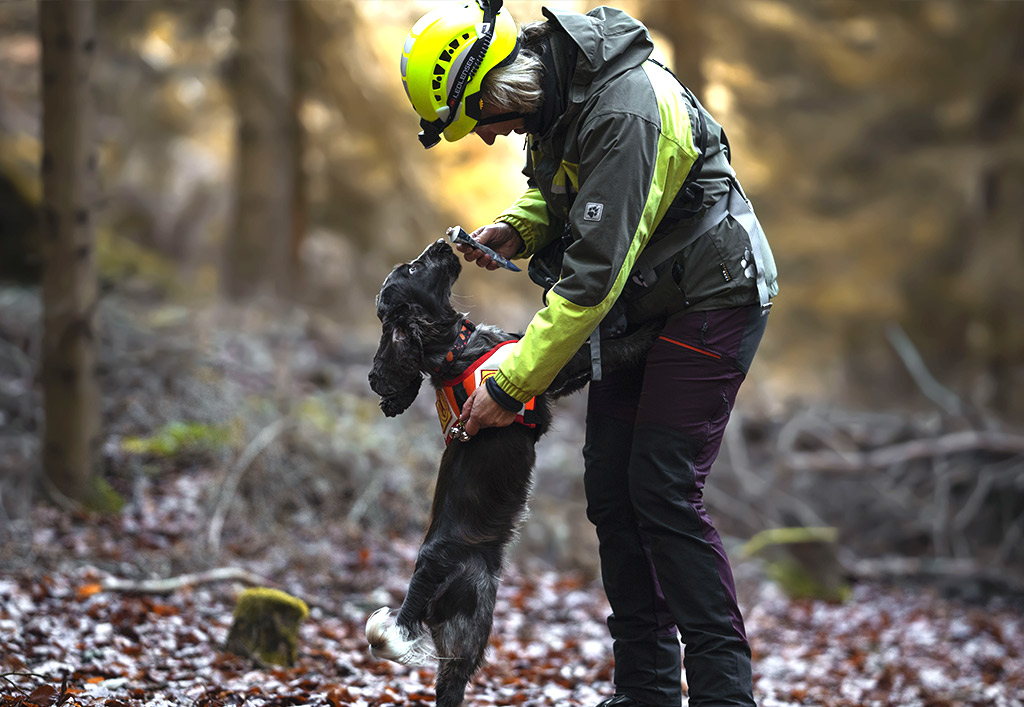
395, 375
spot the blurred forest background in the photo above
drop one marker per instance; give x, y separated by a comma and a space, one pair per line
256, 173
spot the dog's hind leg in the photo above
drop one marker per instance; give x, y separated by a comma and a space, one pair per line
461, 639
453, 674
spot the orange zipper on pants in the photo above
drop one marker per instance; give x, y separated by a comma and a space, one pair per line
712, 354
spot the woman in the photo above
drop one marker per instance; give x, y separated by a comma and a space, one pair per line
632, 214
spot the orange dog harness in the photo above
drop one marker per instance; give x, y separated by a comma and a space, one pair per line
453, 395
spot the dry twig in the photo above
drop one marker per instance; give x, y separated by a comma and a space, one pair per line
173, 584
252, 450
896, 454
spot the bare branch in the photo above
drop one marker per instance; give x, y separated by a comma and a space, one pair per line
892, 455
169, 585
933, 569
173, 584
227, 492
936, 392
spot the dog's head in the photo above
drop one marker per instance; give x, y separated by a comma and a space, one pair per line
416, 315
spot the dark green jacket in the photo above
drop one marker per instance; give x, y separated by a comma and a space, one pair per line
609, 168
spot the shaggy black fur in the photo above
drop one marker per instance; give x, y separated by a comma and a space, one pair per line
482, 485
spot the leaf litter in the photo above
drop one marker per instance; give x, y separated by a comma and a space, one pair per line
66, 640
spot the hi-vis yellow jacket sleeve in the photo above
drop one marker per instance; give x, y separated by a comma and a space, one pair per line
530, 216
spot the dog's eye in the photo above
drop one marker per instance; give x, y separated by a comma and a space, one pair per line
412, 268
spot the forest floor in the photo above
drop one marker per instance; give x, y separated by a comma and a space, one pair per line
252, 441
65, 638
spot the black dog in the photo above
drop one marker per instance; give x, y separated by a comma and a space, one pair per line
483, 483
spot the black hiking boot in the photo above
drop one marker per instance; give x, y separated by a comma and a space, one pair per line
620, 701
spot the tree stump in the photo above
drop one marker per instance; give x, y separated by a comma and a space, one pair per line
804, 562
266, 626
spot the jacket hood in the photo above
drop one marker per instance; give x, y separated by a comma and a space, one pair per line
609, 42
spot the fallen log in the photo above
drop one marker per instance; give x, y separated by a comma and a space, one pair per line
952, 572
892, 455
170, 585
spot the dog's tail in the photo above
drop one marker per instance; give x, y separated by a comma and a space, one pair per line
393, 642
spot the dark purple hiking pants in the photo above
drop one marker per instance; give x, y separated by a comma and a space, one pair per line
652, 435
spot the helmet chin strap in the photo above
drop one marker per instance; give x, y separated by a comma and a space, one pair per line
431, 130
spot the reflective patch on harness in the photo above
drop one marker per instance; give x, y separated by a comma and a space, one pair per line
444, 411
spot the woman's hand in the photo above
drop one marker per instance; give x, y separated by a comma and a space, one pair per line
481, 411
499, 236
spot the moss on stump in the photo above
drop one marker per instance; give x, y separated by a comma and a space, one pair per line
803, 561
266, 626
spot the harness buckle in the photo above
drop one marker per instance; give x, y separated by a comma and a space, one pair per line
458, 432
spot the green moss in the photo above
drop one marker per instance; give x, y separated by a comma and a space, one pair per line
102, 498
122, 260
180, 437
266, 625
800, 583
257, 598
804, 562
19, 160
789, 536
314, 411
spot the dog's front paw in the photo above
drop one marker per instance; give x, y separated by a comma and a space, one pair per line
391, 642
377, 627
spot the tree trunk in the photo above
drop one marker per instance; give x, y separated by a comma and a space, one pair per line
300, 60
680, 22
70, 390
257, 252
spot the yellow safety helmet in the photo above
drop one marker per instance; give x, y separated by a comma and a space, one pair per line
444, 60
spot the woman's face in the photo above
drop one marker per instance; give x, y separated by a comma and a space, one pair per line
487, 133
